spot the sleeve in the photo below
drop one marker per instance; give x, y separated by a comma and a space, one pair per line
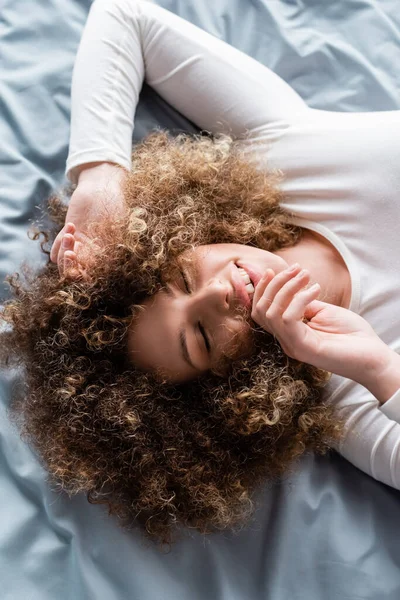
391, 408
372, 436
216, 86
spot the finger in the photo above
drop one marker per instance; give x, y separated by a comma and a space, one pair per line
68, 228
78, 248
69, 261
313, 308
297, 308
269, 289
278, 280
67, 244
260, 287
284, 297
72, 268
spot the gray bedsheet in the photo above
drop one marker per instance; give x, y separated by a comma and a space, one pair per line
326, 532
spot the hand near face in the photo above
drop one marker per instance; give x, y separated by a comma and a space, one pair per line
334, 338
73, 257
98, 194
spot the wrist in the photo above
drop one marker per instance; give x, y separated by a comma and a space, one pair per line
97, 171
383, 379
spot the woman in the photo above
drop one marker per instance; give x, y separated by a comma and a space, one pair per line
191, 453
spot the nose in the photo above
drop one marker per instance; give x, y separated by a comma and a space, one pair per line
215, 293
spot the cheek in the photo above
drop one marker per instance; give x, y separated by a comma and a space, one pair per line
236, 341
236, 348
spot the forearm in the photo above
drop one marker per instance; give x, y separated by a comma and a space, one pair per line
211, 83
98, 184
383, 379
107, 79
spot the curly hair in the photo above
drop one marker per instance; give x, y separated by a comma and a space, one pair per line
161, 456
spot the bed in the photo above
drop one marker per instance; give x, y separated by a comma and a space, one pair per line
328, 531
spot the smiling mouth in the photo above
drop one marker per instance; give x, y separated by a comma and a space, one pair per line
243, 285
247, 281
253, 273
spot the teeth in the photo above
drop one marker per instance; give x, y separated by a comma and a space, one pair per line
249, 286
244, 275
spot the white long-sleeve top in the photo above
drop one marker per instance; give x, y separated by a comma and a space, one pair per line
342, 170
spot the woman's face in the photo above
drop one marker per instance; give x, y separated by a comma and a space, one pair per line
188, 328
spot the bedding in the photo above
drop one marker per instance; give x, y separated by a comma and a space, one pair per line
327, 530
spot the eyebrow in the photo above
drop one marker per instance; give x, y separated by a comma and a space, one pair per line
182, 335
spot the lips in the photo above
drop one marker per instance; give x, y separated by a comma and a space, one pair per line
241, 294
254, 275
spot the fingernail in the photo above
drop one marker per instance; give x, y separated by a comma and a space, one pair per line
302, 273
65, 242
293, 267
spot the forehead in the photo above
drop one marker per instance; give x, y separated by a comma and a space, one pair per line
193, 257
196, 257
190, 259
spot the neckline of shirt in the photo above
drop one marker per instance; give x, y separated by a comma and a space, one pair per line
344, 252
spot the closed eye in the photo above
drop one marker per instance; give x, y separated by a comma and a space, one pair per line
203, 333
201, 328
185, 282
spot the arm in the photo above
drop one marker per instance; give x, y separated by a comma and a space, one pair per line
97, 194
371, 439
340, 341
383, 381
213, 84
372, 434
